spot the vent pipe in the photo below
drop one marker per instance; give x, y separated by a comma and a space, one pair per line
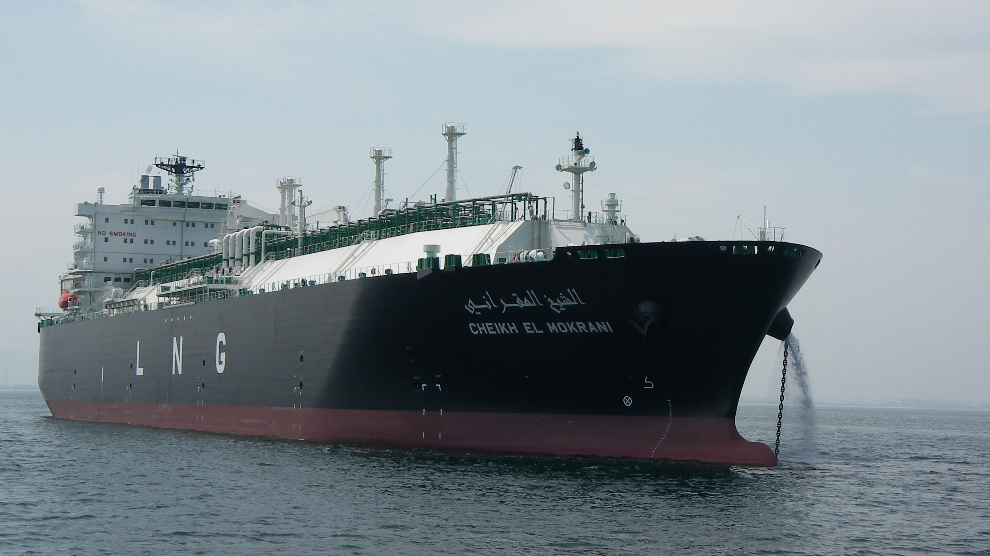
379, 155
452, 132
286, 209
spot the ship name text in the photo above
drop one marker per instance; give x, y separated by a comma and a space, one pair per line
559, 327
528, 300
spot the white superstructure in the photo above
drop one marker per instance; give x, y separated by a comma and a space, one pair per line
168, 247
158, 225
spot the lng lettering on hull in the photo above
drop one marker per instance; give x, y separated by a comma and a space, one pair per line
177, 343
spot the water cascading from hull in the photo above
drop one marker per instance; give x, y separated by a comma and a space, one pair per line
807, 444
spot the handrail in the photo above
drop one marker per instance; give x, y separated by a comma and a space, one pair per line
234, 290
414, 218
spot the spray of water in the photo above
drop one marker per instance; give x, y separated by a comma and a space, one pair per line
807, 445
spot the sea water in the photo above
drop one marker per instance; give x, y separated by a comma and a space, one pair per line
884, 481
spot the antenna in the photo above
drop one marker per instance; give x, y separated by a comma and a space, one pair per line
452, 132
380, 155
181, 169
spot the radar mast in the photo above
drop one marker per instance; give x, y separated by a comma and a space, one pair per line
182, 170
578, 163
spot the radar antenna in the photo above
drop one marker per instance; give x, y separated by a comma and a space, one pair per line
182, 170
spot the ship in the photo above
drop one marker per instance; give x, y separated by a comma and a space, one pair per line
493, 324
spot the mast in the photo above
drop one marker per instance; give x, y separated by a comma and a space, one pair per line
286, 209
577, 164
301, 204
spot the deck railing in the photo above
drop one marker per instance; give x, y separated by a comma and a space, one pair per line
416, 218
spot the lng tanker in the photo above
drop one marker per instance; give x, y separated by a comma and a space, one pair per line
487, 324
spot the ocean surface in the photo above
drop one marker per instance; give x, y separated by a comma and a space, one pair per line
870, 481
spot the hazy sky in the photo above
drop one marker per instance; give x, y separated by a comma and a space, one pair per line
863, 126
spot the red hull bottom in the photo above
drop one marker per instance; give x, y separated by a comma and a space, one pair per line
699, 439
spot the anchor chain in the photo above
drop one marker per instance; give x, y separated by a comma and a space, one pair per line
780, 408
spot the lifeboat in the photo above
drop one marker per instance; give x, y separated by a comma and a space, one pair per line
67, 300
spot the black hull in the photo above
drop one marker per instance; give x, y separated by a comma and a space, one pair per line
662, 335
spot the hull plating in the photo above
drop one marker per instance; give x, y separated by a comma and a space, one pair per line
642, 355
701, 439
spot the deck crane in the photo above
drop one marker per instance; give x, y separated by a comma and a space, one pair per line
512, 179
765, 233
742, 222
